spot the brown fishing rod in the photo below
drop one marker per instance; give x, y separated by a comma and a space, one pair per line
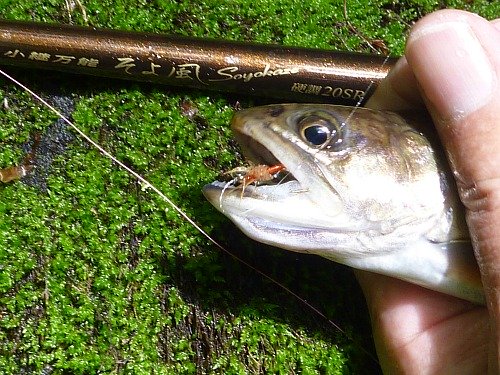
285, 73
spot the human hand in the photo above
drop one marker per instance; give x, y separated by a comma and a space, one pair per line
452, 61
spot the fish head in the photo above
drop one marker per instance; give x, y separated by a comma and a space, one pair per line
354, 171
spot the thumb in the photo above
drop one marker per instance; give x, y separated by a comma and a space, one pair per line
462, 94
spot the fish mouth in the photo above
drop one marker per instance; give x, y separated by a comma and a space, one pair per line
256, 154
278, 187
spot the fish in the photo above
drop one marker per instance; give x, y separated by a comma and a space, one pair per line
366, 188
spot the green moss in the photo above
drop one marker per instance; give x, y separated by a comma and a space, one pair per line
98, 274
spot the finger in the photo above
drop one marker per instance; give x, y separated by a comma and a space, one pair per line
399, 91
415, 329
461, 92
464, 52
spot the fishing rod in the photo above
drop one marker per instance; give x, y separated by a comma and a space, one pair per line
285, 73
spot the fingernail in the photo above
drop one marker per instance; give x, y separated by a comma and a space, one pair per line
452, 67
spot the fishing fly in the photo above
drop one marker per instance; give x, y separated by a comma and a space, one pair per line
254, 174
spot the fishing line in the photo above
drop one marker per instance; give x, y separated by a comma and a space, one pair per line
370, 85
149, 185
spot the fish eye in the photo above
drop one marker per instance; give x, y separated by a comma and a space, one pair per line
318, 131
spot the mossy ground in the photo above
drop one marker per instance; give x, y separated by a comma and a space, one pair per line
98, 274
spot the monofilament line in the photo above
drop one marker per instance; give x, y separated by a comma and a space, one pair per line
367, 90
147, 184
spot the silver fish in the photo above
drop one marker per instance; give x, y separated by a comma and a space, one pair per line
366, 189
